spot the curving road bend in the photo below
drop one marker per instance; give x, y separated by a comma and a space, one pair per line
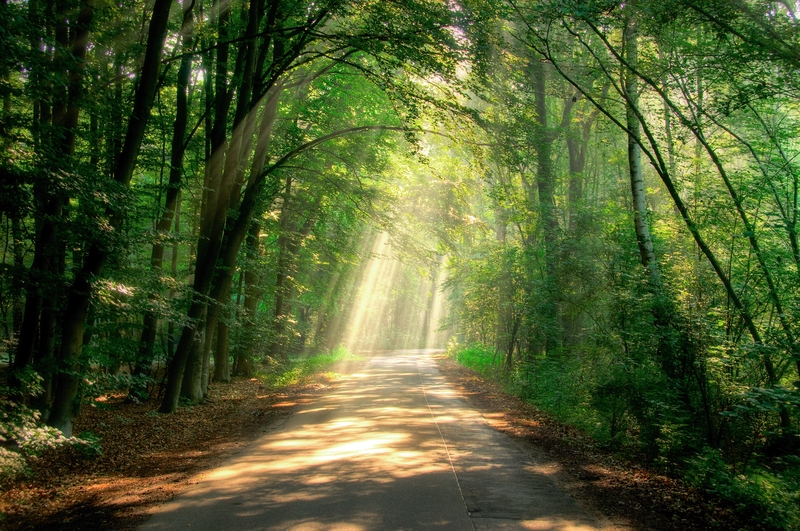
391, 448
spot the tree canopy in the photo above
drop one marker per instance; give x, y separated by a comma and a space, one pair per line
597, 201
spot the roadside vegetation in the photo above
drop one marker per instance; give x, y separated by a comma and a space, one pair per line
768, 498
277, 375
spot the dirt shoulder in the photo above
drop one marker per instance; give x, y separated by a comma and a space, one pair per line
623, 492
147, 458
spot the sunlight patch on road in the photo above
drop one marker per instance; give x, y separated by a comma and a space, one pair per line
373, 444
359, 449
555, 524
320, 526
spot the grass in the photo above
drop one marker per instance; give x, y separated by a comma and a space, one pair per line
477, 357
300, 371
549, 386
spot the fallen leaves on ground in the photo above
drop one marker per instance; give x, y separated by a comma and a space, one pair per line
147, 457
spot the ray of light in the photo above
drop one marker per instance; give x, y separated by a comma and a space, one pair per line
373, 297
434, 337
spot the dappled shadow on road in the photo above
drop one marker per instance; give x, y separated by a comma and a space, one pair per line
502, 488
372, 455
367, 456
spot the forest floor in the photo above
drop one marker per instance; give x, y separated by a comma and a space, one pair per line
150, 458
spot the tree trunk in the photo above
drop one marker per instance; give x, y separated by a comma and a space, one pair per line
643, 239
150, 321
213, 215
276, 348
243, 361
238, 154
47, 196
64, 405
288, 246
222, 364
233, 241
190, 384
64, 120
505, 292
545, 185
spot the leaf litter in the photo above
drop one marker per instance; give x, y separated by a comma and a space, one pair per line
147, 458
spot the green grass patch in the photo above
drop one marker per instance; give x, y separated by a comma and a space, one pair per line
477, 357
300, 371
550, 386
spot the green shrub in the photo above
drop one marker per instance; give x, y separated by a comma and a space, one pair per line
12, 465
560, 387
476, 356
768, 497
22, 436
296, 371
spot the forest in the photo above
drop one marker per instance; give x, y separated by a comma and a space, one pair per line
593, 202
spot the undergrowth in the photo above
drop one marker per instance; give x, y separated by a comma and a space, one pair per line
23, 436
770, 496
298, 371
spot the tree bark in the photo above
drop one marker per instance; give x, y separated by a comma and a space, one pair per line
233, 241
545, 185
638, 199
150, 320
238, 153
222, 364
47, 195
213, 214
64, 405
243, 358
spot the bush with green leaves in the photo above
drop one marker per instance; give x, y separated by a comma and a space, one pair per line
296, 371
770, 497
476, 356
23, 435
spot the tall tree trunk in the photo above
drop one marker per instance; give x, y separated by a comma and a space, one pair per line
222, 364
233, 241
150, 321
17, 301
503, 339
577, 149
278, 326
643, 239
213, 215
289, 242
235, 163
46, 193
170, 347
243, 358
545, 185
74, 321
64, 121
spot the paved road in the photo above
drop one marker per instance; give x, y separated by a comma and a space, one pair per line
392, 448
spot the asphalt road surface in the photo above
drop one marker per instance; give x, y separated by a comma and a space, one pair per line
393, 447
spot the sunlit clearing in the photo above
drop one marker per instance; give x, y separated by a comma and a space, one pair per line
395, 306
372, 297
434, 337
